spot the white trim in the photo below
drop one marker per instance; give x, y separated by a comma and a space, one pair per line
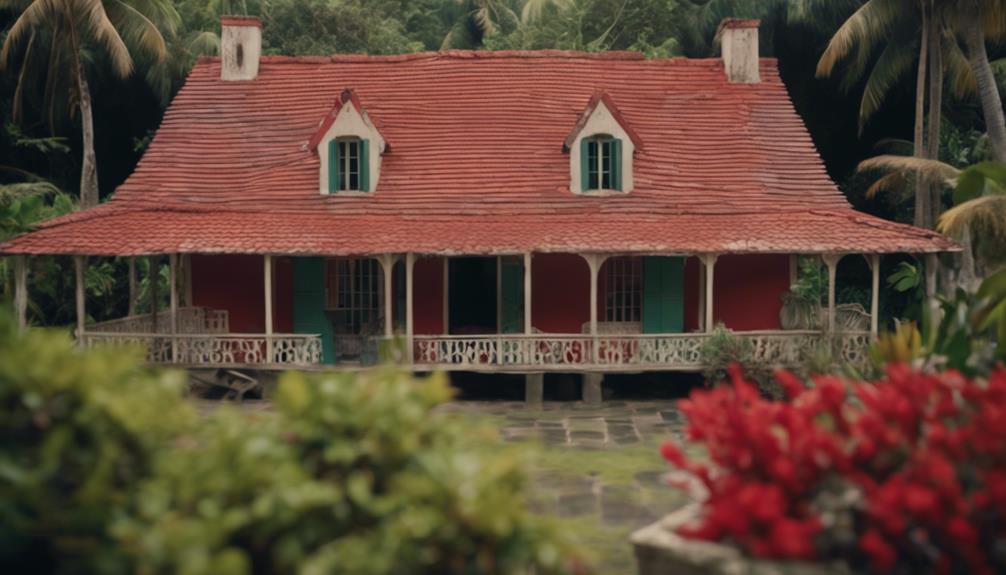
602, 122
352, 123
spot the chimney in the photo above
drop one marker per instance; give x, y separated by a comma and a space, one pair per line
240, 47
739, 41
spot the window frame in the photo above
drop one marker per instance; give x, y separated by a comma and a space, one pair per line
602, 161
623, 289
354, 292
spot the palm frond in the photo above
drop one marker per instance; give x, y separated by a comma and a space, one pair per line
931, 168
97, 25
893, 64
137, 31
859, 34
986, 216
959, 73
533, 9
33, 17
200, 43
11, 192
895, 182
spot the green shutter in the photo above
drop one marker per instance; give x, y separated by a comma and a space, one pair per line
309, 303
333, 166
616, 164
364, 165
512, 286
584, 165
663, 294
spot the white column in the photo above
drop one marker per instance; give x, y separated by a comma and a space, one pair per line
153, 279
173, 297
831, 260
528, 328
132, 287
388, 269
874, 260
79, 263
410, 260
701, 308
21, 291
594, 262
267, 279
709, 262
931, 265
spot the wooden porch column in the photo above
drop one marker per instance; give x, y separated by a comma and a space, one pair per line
132, 287
153, 279
831, 260
931, 263
709, 263
267, 278
528, 328
78, 264
21, 291
410, 260
594, 262
173, 298
874, 260
388, 268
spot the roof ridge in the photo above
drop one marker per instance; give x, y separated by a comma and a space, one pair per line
612, 55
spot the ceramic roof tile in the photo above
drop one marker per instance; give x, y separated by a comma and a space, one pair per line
478, 164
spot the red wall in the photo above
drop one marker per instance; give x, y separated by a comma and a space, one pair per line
428, 296
235, 283
560, 293
748, 290
693, 273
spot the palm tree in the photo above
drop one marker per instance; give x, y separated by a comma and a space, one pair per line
55, 39
978, 19
479, 19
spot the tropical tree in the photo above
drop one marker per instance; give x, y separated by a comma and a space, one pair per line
480, 19
56, 42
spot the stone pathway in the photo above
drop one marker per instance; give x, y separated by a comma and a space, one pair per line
596, 468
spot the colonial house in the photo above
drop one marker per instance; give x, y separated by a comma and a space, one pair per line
525, 212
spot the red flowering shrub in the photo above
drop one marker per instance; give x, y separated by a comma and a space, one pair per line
904, 474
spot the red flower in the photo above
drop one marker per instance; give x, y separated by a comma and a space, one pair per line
881, 554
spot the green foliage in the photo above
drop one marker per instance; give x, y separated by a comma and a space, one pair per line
353, 474
723, 349
908, 279
991, 310
105, 468
77, 431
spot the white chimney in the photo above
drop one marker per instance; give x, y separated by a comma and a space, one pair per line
240, 47
739, 41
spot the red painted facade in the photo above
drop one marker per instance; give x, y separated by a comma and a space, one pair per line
748, 290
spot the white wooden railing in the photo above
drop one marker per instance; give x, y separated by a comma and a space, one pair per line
621, 351
218, 349
197, 320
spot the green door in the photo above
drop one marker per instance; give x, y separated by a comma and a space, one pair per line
309, 303
663, 294
512, 288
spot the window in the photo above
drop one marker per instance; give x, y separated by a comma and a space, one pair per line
623, 289
601, 168
354, 295
348, 165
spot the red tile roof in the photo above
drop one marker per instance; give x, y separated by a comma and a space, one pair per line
478, 164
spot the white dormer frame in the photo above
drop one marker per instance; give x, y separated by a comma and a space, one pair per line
601, 118
349, 120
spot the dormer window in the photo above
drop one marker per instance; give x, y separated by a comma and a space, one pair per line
601, 148
349, 146
601, 161
349, 165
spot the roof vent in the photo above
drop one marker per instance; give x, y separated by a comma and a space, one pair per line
240, 47
739, 41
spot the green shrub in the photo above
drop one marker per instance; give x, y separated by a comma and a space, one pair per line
723, 349
351, 474
105, 468
77, 431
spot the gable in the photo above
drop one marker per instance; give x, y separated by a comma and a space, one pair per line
601, 118
347, 119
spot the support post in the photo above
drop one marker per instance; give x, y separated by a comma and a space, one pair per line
388, 269
173, 298
831, 260
534, 389
267, 278
153, 279
21, 291
410, 260
594, 262
78, 263
528, 328
701, 307
132, 287
874, 260
932, 262
709, 262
